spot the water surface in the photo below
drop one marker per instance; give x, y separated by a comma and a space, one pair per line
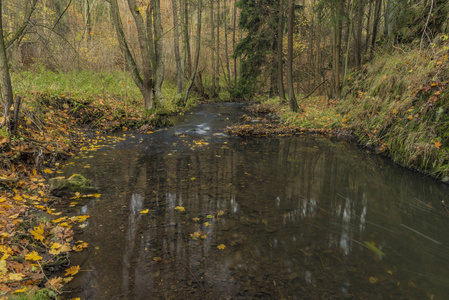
290, 217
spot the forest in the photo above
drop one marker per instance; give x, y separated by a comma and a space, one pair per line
374, 71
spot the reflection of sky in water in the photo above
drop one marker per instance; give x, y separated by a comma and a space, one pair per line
297, 214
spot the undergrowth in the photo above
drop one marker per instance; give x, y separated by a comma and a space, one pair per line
399, 105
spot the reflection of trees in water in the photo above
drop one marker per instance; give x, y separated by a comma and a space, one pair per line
298, 212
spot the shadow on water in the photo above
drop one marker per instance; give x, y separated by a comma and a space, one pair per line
298, 217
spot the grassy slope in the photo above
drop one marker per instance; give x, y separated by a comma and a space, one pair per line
399, 104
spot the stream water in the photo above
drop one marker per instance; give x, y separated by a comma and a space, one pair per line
290, 217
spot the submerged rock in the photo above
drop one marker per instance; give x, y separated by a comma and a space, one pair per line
76, 183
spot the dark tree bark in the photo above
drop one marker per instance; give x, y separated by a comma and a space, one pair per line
212, 49
375, 26
5, 77
179, 74
197, 52
291, 92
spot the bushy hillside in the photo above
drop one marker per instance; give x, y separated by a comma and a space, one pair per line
399, 105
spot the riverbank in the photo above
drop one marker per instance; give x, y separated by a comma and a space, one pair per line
36, 238
396, 105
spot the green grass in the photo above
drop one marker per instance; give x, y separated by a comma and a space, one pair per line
89, 86
318, 113
43, 294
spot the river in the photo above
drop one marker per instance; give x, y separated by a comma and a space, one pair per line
188, 212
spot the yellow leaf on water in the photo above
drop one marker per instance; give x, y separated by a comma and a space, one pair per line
207, 224
144, 211
180, 208
33, 256
221, 246
72, 270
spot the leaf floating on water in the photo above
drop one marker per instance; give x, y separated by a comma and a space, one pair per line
144, 211
196, 235
207, 224
373, 280
180, 208
373, 248
72, 270
221, 246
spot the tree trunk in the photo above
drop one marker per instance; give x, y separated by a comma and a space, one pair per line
291, 92
233, 42
5, 78
179, 79
368, 23
337, 49
159, 51
217, 70
143, 82
358, 33
197, 52
212, 49
280, 53
348, 44
187, 56
375, 26
228, 68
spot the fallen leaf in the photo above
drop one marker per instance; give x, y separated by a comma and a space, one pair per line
55, 283
221, 246
48, 171
15, 276
144, 211
38, 232
20, 291
438, 144
180, 208
373, 280
33, 256
3, 269
72, 270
